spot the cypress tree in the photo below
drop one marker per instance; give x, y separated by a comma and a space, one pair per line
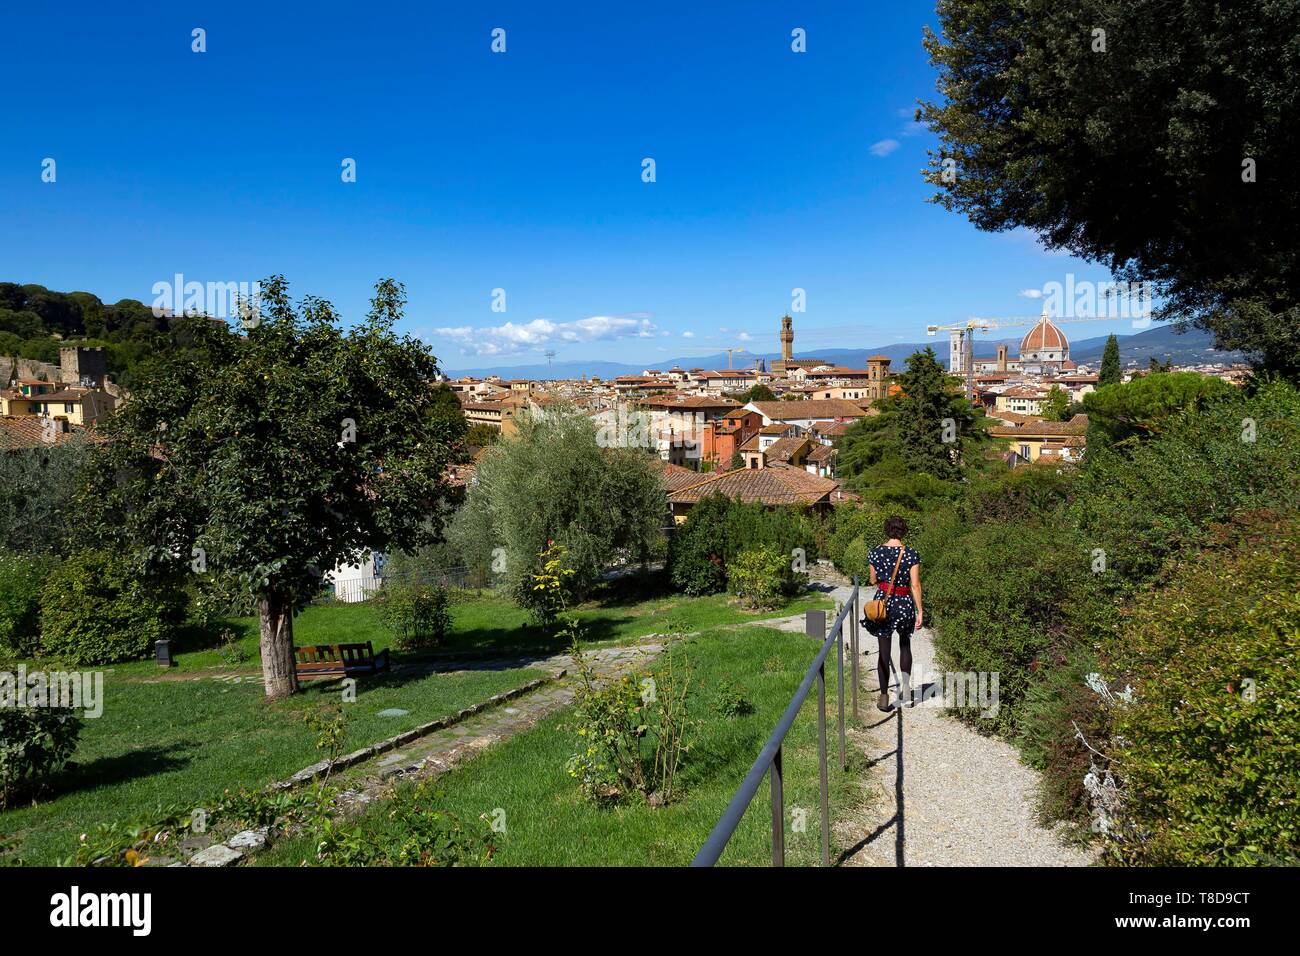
1110, 371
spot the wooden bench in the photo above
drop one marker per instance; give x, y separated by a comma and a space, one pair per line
320, 661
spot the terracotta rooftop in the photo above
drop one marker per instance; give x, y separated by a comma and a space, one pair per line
783, 449
775, 485
690, 401
831, 429
28, 431
825, 408
1015, 418
674, 477
1078, 425
726, 373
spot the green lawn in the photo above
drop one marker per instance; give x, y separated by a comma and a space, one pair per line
618, 611
548, 823
185, 741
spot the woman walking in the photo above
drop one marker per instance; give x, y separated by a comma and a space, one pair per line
895, 571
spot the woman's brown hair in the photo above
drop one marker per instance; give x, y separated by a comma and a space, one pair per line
895, 527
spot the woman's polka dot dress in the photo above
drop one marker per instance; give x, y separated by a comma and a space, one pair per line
902, 609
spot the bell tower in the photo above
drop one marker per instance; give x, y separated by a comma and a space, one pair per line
787, 339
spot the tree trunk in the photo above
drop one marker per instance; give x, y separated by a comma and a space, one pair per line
276, 616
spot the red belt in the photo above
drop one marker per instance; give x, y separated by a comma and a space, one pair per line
893, 591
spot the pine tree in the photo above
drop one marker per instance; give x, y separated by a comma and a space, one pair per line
1110, 370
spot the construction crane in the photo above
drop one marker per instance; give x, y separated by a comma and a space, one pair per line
729, 351
961, 338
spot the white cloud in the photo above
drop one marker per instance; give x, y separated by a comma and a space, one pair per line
512, 339
745, 337
884, 147
1031, 293
688, 335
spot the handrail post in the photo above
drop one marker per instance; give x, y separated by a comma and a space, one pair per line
821, 759
778, 811
854, 633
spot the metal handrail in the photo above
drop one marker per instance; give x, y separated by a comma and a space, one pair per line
769, 758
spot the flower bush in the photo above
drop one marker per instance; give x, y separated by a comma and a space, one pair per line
632, 734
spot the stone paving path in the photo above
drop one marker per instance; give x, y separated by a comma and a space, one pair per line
440, 751
939, 794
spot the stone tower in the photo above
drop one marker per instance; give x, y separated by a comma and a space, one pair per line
877, 376
1002, 357
82, 366
787, 339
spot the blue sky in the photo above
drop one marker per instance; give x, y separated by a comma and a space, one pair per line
519, 171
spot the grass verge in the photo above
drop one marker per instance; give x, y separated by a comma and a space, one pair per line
548, 823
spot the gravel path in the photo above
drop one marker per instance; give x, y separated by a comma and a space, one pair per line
941, 794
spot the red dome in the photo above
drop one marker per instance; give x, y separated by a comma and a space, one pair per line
1044, 336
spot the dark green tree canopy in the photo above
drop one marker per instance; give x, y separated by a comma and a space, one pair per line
922, 442
275, 455
282, 452
1144, 406
1157, 138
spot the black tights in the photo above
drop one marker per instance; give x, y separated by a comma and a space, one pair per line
904, 657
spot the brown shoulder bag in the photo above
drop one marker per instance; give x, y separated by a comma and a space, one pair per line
877, 610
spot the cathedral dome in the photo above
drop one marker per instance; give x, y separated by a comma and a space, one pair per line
1044, 336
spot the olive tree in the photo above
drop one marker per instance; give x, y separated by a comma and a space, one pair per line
555, 482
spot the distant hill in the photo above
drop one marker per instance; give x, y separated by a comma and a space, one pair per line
1191, 348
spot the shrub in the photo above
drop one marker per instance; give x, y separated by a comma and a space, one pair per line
1208, 749
551, 586
729, 700
96, 609
418, 615
632, 736
1003, 600
762, 578
855, 558
417, 833
719, 528
696, 551
21, 579
1033, 491
1059, 705
1159, 497
35, 743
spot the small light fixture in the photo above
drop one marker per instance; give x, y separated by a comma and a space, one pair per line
163, 653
